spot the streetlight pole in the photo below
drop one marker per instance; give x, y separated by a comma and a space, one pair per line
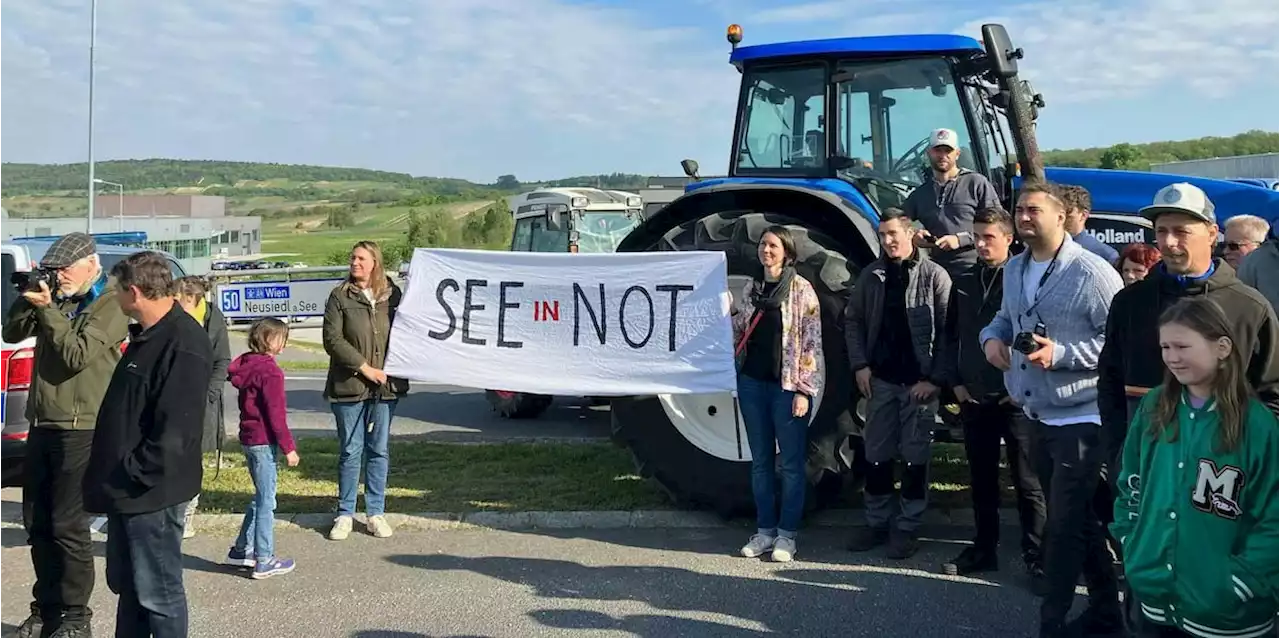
93, 36
120, 199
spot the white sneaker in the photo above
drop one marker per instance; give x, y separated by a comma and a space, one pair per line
784, 549
379, 527
758, 545
341, 528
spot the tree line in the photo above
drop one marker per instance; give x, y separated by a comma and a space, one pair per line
221, 177
436, 228
1140, 157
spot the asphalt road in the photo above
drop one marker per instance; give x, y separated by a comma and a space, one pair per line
429, 412
436, 413
644, 583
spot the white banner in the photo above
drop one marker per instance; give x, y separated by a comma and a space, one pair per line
612, 324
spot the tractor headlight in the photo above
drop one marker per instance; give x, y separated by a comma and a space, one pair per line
579, 202
634, 201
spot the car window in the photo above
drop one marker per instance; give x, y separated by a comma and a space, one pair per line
10, 293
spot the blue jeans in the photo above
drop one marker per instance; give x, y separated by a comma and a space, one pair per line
364, 427
766, 411
257, 531
144, 568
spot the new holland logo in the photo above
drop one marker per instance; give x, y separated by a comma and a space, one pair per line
1113, 236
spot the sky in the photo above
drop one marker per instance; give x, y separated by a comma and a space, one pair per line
552, 88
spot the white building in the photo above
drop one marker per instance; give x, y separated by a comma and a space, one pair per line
189, 240
1259, 166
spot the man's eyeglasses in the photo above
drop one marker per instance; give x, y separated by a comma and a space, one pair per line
1239, 245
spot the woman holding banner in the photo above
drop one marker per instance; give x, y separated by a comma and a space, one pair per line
778, 344
357, 330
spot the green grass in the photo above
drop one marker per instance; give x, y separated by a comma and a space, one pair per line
440, 477
437, 477
314, 242
298, 366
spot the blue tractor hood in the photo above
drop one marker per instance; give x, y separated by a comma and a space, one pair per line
840, 188
1126, 192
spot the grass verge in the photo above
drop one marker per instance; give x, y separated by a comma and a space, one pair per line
440, 477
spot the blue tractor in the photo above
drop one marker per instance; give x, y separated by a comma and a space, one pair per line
828, 133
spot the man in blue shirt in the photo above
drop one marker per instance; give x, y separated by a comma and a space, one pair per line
1079, 205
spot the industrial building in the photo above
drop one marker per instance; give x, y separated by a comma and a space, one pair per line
1260, 166
195, 229
233, 236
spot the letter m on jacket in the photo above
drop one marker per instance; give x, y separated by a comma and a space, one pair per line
1217, 490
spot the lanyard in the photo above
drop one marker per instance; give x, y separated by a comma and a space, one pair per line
1053, 265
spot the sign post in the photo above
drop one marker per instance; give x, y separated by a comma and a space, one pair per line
254, 299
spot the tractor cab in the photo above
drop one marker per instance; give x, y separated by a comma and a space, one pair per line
575, 220
856, 113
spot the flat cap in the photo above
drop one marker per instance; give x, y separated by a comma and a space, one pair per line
68, 249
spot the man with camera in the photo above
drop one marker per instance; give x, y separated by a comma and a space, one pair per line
68, 306
1054, 315
985, 408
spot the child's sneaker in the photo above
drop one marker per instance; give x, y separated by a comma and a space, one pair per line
757, 546
273, 567
784, 550
240, 558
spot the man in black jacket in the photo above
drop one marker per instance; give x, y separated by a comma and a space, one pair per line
1130, 363
894, 332
145, 464
988, 414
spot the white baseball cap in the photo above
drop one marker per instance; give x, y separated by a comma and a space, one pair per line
944, 137
1181, 198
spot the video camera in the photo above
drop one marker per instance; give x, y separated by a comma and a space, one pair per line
29, 280
1025, 342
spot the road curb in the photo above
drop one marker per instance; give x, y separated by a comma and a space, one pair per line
639, 519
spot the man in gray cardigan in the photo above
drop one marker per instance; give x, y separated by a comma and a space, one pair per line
1047, 337
894, 330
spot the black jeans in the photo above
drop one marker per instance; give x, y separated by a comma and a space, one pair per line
144, 568
985, 425
56, 523
1068, 459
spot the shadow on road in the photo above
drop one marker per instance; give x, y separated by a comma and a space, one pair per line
389, 633
883, 601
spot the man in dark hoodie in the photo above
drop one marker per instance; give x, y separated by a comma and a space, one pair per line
985, 408
1130, 363
145, 462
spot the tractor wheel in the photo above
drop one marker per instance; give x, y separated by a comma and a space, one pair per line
517, 405
695, 446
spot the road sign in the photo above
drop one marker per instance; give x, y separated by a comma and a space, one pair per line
274, 298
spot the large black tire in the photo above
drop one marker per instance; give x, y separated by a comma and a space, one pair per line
517, 405
696, 478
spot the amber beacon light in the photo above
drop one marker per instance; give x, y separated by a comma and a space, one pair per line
734, 34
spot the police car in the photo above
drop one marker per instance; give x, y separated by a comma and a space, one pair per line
16, 363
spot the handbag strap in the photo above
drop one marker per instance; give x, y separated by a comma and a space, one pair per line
746, 334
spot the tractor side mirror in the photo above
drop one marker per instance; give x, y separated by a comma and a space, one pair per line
1000, 51
690, 168
555, 217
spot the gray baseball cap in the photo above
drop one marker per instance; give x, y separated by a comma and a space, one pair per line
1181, 198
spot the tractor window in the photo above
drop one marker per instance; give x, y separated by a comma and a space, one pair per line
532, 235
782, 123
887, 110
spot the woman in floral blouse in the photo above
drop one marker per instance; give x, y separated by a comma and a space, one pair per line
778, 342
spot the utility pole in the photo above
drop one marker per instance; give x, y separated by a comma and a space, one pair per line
93, 36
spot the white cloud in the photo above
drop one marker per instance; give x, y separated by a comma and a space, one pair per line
1083, 51
1088, 51
457, 87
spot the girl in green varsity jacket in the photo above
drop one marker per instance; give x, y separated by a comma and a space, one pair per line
1197, 506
